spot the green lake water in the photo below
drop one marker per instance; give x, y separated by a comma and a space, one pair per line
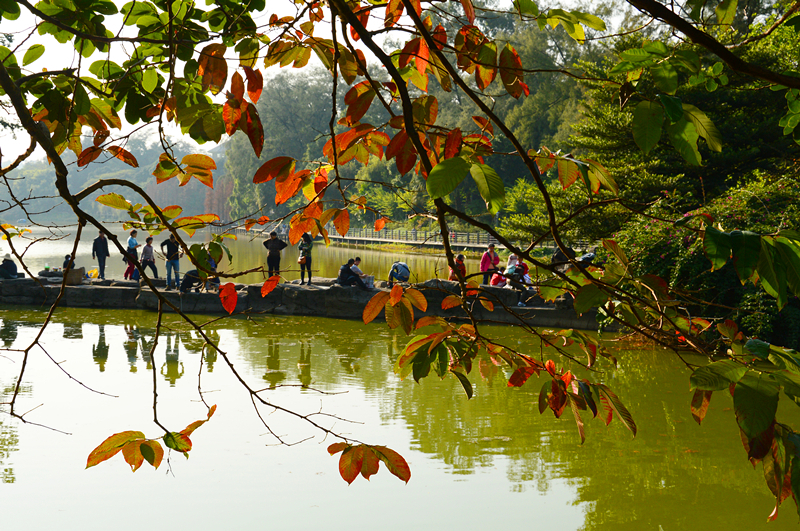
476, 464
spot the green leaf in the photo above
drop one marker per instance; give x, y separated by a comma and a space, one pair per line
683, 136
745, 248
526, 7
757, 348
717, 376
616, 404
465, 383
33, 53
672, 107
665, 77
704, 126
589, 296
772, 275
789, 251
150, 80
648, 119
726, 12
114, 201
717, 246
446, 176
755, 401
490, 186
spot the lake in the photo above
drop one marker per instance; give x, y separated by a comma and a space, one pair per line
476, 464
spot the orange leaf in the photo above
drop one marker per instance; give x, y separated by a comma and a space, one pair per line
350, 463
394, 10
417, 299
428, 320
342, 222
288, 186
111, 446
255, 83
269, 285
451, 301
228, 296
88, 155
213, 68
250, 123
374, 306
249, 224
232, 114
277, 167
394, 462
395, 295
452, 144
123, 155
469, 10
237, 86
520, 376
380, 223
335, 448
487, 304
133, 455
370, 464
484, 124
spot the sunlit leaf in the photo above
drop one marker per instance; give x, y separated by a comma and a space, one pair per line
269, 285
111, 446
374, 306
228, 296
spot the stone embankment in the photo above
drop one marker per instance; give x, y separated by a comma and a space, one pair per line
322, 299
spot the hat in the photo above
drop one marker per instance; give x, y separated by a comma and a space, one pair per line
7, 257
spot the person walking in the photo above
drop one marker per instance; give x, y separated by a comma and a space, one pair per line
100, 253
173, 255
132, 255
274, 246
148, 258
489, 262
306, 243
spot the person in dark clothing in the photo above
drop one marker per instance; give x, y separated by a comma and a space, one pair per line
348, 277
274, 246
69, 263
305, 246
173, 254
8, 269
100, 253
191, 280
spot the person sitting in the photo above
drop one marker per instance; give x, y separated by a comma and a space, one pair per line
69, 263
399, 272
347, 277
461, 269
356, 269
498, 279
8, 269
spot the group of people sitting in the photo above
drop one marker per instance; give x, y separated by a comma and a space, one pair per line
351, 275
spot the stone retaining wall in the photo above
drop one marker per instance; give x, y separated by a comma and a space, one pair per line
323, 300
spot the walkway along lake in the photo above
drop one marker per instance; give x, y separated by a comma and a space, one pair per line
476, 464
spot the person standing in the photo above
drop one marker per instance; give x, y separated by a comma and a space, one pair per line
148, 258
100, 253
306, 243
173, 255
489, 262
274, 246
132, 255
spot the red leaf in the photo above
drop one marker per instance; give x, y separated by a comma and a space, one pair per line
370, 464
521, 376
451, 301
394, 10
469, 10
213, 68
511, 72
452, 145
350, 463
277, 167
237, 86
380, 223
250, 123
342, 222
374, 306
123, 155
700, 402
440, 36
394, 462
228, 296
269, 285
550, 367
335, 448
88, 155
232, 114
484, 124
255, 83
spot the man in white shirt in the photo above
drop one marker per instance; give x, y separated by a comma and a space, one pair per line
355, 269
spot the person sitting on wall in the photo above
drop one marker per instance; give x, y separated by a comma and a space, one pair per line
8, 269
69, 263
347, 277
498, 279
191, 281
399, 272
460, 270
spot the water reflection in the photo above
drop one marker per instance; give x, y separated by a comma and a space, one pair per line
8, 439
674, 474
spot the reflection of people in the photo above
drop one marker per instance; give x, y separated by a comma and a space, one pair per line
8, 332
100, 351
173, 366
274, 246
147, 346
100, 252
8, 269
399, 272
306, 243
73, 330
274, 375
304, 363
131, 346
173, 255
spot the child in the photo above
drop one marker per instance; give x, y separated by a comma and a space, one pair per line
462, 269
